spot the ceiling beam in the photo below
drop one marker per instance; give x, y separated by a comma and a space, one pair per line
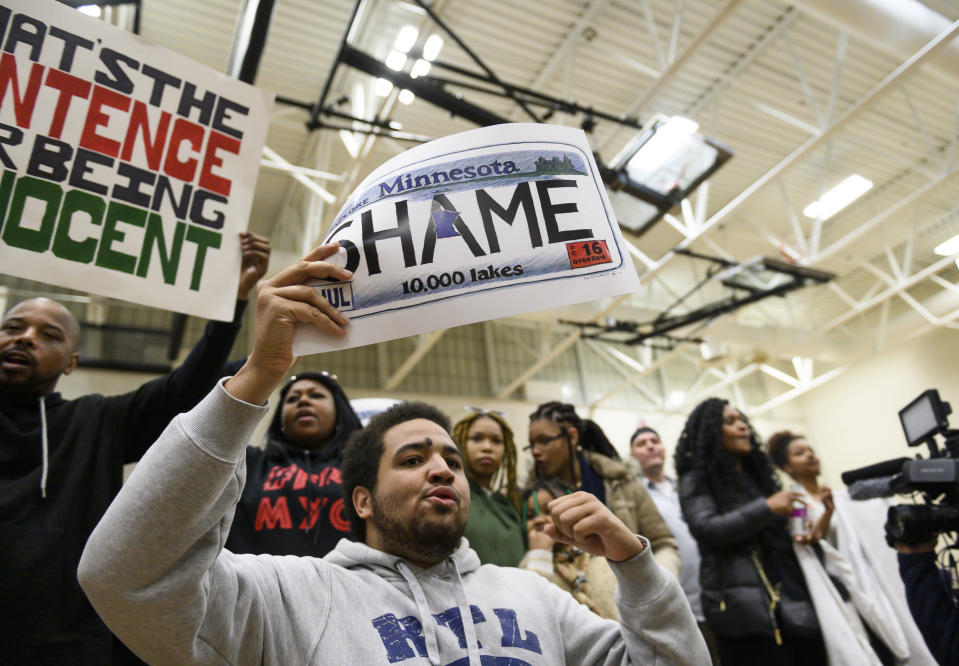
677, 65
249, 40
632, 379
425, 344
865, 103
557, 350
892, 291
572, 36
792, 394
888, 213
299, 176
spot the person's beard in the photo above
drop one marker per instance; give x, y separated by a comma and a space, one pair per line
421, 536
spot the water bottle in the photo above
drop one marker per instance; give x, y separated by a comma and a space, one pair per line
797, 520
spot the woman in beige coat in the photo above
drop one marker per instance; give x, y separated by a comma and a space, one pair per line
588, 578
577, 454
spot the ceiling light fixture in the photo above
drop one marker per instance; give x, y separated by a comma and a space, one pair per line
432, 47
406, 96
948, 247
382, 87
90, 10
406, 38
652, 154
395, 60
420, 68
838, 197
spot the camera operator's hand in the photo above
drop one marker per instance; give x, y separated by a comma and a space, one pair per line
781, 503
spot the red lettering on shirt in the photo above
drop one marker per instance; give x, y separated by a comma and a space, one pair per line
300, 481
278, 477
314, 512
270, 514
336, 516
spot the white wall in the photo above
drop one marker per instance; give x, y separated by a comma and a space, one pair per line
108, 382
854, 419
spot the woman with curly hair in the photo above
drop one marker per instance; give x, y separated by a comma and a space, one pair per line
493, 529
754, 595
577, 453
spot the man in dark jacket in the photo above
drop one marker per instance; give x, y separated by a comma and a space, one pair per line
61, 463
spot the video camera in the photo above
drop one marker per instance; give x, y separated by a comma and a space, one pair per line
936, 477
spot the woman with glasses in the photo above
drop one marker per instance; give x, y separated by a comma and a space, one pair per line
292, 503
588, 578
754, 595
493, 529
577, 454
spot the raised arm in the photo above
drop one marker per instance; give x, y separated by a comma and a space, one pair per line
154, 568
657, 625
146, 411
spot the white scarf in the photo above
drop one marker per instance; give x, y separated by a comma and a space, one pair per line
868, 568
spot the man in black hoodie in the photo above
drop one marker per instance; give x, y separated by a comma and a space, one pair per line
61, 463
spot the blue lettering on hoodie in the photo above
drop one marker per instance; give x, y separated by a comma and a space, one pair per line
452, 619
401, 636
398, 634
512, 635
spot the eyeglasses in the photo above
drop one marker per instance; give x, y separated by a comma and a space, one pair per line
544, 441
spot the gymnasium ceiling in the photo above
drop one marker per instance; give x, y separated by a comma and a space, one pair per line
805, 94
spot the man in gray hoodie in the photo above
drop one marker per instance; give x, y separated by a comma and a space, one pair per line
413, 593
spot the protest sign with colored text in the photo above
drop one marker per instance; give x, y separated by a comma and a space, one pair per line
484, 224
127, 169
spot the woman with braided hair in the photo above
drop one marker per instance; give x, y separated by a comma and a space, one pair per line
576, 453
493, 529
754, 594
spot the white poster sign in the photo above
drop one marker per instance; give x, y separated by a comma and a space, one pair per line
484, 224
127, 169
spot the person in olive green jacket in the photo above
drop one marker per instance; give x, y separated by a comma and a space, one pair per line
494, 529
577, 453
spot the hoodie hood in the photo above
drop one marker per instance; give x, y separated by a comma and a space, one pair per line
417, 584
278, 446
352, 554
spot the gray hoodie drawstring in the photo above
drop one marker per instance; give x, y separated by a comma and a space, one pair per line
426, 618
46, 454
466, 613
